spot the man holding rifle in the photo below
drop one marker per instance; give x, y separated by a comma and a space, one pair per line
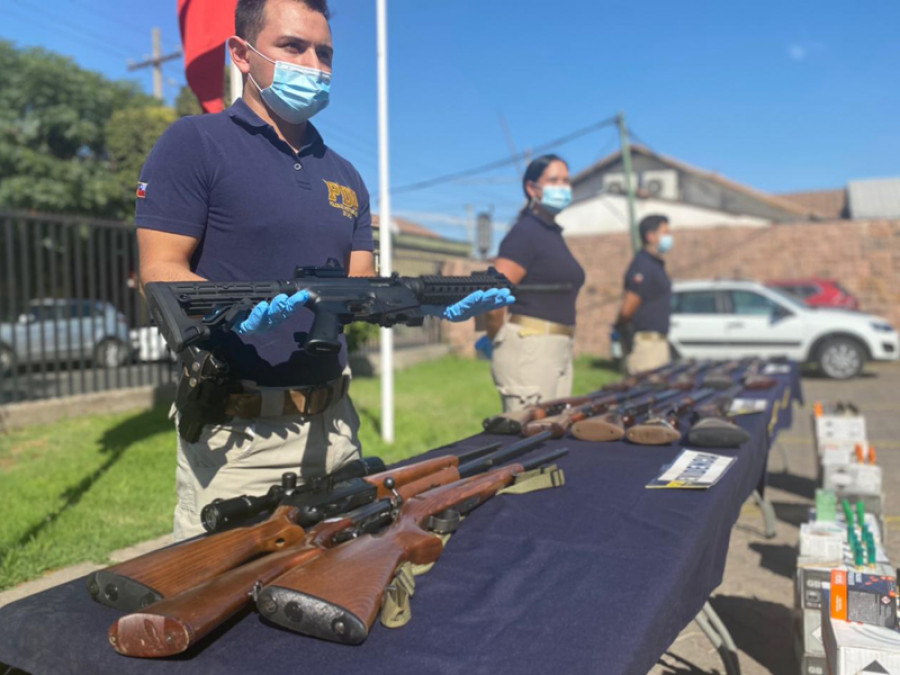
250, 194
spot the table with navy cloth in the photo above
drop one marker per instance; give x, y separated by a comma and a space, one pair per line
598, 576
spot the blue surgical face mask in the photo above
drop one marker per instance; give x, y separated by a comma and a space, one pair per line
296, 93
556, 197
665, 243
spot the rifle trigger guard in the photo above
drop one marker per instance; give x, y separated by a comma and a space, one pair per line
444, 522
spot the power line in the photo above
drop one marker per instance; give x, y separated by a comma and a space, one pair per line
506, 161
634, 137
102, 40
73, 35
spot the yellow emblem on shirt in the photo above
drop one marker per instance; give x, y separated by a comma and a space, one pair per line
343, 198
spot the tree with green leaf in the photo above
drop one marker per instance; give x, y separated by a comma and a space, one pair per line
53, 134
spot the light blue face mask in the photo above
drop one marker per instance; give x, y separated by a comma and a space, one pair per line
556, 197
665, 243
296, 93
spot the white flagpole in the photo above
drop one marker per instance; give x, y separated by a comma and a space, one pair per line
384, 230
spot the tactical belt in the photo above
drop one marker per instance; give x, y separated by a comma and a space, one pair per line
533, 326
278, 401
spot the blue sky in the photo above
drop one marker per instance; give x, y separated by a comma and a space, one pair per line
781, 96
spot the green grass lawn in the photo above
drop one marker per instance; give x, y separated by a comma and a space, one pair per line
79, 489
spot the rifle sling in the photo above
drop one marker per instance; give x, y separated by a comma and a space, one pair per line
396, 609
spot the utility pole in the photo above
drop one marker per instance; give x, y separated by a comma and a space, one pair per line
470, 228
629, 186
156, 62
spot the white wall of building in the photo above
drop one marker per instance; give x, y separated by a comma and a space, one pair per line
609, 213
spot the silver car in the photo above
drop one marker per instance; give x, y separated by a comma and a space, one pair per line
58, 330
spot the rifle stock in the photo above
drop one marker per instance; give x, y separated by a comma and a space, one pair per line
151, 577
316, 599
601, 428
515, 422
654, 431
174, 624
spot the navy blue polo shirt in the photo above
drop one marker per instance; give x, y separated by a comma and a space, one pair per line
646, 276
539, 247
259, 210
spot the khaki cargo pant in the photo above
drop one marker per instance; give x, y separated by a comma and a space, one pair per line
531, 368
650, 351
247, 456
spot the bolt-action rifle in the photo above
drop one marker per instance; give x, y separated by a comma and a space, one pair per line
612, 425
337, 596
712, 427
160, 574
515, 422
662, 424
172, 625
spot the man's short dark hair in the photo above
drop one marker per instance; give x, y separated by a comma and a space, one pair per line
651, 224
248, 17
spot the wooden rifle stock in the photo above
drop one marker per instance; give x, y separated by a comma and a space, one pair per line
153, 576
514, 422
337, 595
176, 623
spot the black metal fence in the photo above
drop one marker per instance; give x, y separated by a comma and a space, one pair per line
72, 319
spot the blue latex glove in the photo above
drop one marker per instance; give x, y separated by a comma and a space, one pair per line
266, 315
473, 304
486, 346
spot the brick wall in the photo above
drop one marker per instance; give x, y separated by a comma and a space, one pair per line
863, 255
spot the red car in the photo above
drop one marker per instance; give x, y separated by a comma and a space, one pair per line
818, 292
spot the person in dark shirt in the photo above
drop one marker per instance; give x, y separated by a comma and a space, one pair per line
532, 346
249, 194
647, 302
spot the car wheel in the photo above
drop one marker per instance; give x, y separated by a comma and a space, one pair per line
111, 353
6, 360
841, 358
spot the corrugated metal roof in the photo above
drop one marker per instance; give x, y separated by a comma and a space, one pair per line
874, 198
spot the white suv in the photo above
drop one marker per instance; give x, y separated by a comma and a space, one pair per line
733, 319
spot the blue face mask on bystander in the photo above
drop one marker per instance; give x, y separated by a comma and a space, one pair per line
665, 243
296, 93
556, 197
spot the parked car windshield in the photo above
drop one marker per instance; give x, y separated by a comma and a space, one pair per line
790, 298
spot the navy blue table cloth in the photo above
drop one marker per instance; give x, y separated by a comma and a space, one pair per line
598, 576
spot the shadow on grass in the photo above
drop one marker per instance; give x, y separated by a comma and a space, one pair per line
372, 418
113, 444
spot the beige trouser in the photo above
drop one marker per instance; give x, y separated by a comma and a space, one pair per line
531, 368
247, 456
650, 351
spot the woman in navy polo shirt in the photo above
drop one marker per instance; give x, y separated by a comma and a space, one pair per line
532, 346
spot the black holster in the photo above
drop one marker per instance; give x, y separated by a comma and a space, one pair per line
202, 403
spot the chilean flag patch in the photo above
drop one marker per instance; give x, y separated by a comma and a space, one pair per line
141, 192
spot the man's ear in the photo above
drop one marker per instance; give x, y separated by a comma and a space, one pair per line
238, 50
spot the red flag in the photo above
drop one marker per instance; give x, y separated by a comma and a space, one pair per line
205, 26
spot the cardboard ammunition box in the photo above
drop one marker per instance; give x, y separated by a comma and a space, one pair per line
823, 541
831, 428
866, 598
857, 648
839, 452
812, 575
856, 479
808, 634
813, 665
